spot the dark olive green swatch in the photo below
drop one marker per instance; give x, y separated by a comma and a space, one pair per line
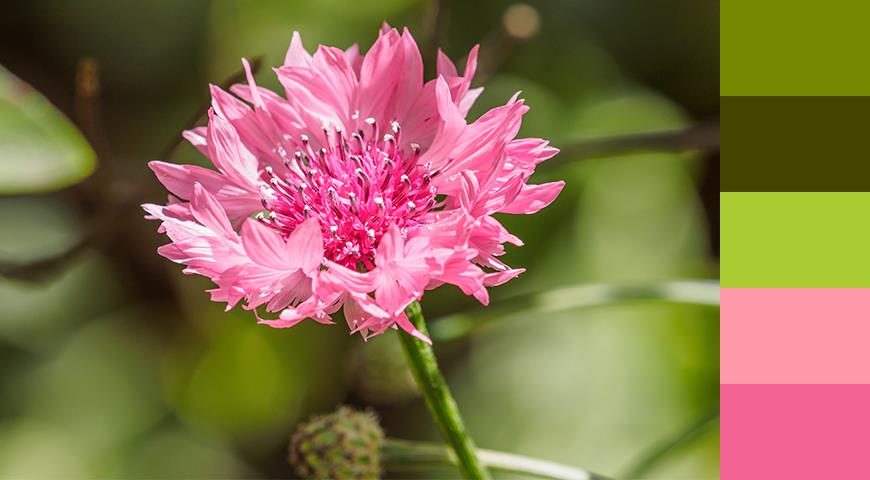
795, 144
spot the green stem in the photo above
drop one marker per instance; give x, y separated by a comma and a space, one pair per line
403, 456
658, 452
421, 359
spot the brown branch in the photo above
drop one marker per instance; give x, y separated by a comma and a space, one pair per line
435, 25
519, 24
237, 77
89, 120
100, 230
103, 226
703, 137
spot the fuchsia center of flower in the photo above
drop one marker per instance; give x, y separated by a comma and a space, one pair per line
356, 187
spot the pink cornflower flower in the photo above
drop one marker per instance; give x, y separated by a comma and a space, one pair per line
360, 190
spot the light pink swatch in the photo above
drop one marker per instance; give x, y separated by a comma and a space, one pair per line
795, 335
795, 432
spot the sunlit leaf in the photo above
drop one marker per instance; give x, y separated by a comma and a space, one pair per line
40, 149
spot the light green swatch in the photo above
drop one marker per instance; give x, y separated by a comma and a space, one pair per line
795, 239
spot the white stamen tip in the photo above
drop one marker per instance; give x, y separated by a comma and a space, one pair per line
395, 126
304, 138
388, 138
371, 233
333, 229
411, 205
379, 201
370, 120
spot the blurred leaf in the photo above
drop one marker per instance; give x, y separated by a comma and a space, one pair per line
240, 385
40, 149
81, 407
331, 22
101, 386
594, 387
34, 449
456, 326
175, 453
38, 317
638, 215
546, 111
380, 372
669, 447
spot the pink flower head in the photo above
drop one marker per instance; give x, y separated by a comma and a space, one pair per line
362, 188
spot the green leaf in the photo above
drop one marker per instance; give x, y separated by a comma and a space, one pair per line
40, 149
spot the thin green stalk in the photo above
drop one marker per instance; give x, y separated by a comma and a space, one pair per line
404, 456
421, 359
658, 452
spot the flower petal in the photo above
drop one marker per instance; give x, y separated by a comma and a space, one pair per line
305, 246
532, 198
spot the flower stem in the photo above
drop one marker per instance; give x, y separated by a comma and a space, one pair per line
401, 456
421, 359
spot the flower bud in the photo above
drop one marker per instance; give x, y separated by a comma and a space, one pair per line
345, 444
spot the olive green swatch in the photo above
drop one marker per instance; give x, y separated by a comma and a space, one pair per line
795, 47
795, 239
797, 144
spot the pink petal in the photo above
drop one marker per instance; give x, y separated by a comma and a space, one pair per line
296, 55
406, 325
179, 179
391, 247
337, 279
458, 270
293, 315
227, 153
452, 126
354, 58
533, 198
444, 66
305, 246
208, 211
197, 137
237, 201
497, 278
263, 245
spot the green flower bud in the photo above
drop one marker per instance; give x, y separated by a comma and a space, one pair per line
345, 444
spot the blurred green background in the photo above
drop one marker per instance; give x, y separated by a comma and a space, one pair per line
114, 364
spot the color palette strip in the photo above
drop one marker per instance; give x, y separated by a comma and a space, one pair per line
795, 242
